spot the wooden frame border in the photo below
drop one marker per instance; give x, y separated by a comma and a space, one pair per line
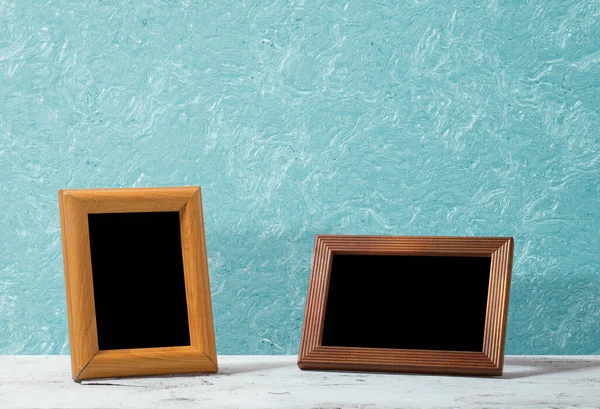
87, 361
313, 355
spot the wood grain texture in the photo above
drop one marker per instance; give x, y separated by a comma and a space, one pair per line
148, 361
165, 199
313, 355
197, 283
78, 282
87, 361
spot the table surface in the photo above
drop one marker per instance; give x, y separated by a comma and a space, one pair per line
276, 382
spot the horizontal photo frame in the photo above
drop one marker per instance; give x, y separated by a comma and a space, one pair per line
433, 305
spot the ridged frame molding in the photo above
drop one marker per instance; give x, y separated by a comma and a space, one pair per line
490, 361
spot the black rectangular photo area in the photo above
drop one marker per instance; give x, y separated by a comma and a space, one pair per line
407, 302
139, 285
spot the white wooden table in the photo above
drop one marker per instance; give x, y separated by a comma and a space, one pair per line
276, 382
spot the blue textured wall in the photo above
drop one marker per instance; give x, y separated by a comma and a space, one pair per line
304, 117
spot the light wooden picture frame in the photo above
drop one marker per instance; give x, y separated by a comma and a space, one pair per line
489, 361
87, 361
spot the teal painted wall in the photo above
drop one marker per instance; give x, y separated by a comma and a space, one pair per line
304, 117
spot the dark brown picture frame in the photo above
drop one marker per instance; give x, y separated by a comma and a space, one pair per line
490, 361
